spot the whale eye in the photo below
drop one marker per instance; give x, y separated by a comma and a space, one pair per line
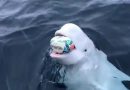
85, 50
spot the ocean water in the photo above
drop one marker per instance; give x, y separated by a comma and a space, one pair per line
26, 27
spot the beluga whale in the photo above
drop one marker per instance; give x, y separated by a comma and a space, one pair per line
86, 67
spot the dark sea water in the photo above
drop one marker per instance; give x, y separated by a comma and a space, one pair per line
26, 27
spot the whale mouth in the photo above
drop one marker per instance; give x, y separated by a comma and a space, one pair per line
62, 47
57, 55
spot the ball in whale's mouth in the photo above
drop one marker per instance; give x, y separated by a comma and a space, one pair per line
61, 45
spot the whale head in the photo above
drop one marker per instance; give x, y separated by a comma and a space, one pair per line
83, 44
